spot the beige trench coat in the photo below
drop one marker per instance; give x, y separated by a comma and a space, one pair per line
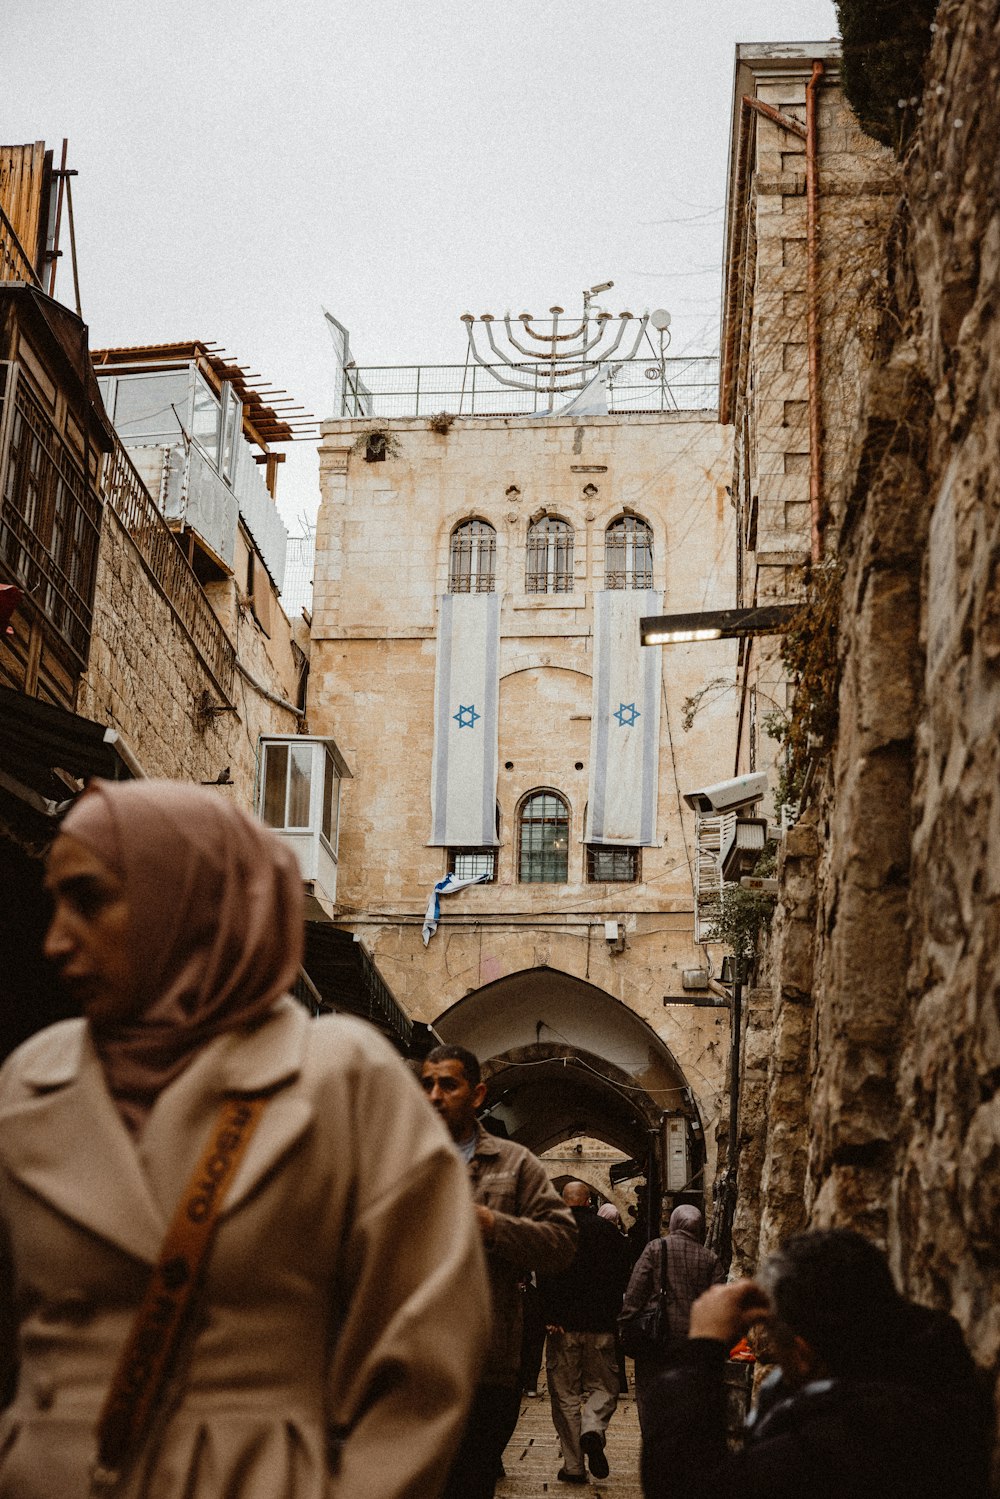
345, 1309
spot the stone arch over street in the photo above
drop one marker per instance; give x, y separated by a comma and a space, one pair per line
563, 1058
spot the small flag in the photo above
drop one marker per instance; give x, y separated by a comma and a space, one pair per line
447, 886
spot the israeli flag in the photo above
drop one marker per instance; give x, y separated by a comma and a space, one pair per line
625, 721
466, 712
447, 886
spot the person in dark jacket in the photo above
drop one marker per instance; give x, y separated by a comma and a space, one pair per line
581, 1306
874, 1396
689, 1268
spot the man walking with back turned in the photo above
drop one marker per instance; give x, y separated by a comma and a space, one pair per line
525, 1227
581, 1307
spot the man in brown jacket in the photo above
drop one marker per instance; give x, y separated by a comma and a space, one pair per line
525, 1226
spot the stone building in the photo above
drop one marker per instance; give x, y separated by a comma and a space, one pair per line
145, 632
487, 550
870, 1091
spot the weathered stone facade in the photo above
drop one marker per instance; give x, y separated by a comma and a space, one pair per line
146, 679
382, 560
885, 943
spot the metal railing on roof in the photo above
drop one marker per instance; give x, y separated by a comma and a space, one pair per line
634, 385
128, 497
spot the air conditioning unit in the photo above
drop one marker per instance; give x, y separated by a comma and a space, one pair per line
743, 848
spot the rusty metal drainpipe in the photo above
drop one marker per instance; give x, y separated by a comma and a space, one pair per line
812, 318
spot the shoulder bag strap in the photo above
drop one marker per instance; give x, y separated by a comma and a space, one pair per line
166, 1307
664, 1264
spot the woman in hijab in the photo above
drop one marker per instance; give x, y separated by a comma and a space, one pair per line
333, 1334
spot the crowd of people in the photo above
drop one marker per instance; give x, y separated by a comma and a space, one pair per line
241, 1257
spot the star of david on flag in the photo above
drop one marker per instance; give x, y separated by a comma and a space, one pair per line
466, 716
626, 715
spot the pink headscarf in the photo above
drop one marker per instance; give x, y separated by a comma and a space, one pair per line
216, 924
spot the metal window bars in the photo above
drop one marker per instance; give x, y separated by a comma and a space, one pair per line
549, 558
50, 513
628, 554
606, 864
472, 566
711, 836
544, 850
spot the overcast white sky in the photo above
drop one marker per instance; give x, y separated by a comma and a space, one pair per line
400, 161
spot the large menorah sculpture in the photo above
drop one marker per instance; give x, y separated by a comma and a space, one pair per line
568, 360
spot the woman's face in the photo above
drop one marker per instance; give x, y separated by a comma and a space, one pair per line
88, 936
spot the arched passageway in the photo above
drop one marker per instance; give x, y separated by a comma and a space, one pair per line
562, 1059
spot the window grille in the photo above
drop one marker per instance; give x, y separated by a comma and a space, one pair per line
628, 554
549, 561
711, 835
50, 513
473, 558
467, 863
613, 865
544, 842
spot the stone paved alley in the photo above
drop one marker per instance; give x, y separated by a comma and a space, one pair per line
532, 1457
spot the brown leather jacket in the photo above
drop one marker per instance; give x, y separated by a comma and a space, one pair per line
533, 1230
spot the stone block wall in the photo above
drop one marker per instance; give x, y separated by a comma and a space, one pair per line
900, 1072
146, 680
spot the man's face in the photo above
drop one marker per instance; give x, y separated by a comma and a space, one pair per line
454, 1097
87, 938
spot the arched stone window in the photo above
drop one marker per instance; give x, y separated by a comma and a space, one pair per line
472, 566
628, 553
549, 560
543, 847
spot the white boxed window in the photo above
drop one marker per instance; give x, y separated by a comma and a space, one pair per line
299, 798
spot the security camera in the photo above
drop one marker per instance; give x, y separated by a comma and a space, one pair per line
729, 796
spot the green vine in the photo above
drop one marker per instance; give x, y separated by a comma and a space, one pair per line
744, 914
809, 652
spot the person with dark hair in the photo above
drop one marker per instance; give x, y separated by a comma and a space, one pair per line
237, 1256
524, 1227
680, 1262
875, 1397
581, 1310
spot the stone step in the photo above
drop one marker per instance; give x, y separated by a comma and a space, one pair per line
532, 1459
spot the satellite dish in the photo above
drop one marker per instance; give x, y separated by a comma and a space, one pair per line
660, 320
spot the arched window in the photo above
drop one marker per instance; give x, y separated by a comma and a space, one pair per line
549, 562
473, 558
628, 554
544, 839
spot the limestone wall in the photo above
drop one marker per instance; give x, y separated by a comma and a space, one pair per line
382, 562
146, 679
902, 1057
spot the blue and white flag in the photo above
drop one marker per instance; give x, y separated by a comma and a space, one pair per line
466, 702
625, 721
447, 886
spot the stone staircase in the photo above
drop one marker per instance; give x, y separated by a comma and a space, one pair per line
532, 1458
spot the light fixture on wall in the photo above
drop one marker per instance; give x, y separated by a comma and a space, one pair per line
715, 624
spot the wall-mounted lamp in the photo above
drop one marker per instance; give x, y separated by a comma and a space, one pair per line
715, 624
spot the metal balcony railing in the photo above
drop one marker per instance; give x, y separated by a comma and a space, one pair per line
128, 497
50, 513
636, 385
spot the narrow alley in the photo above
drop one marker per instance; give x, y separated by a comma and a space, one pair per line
532, 1458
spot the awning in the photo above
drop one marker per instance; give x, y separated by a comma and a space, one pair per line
346, 982
38, 740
